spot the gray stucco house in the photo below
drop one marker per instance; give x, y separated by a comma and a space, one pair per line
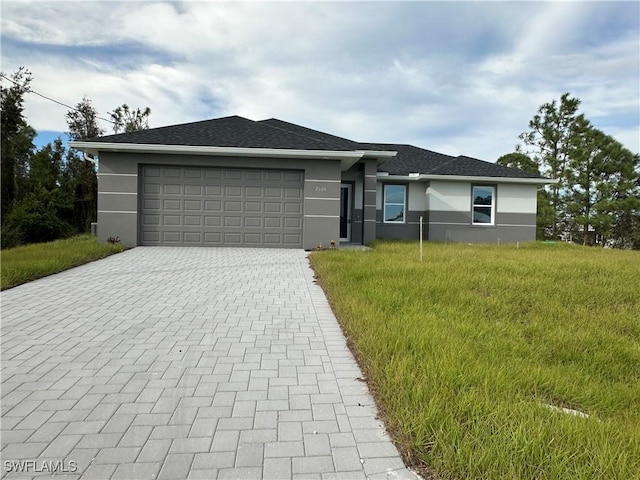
237, 182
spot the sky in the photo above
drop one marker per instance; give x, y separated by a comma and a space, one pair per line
453, 77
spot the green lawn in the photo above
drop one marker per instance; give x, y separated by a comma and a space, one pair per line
22, 264
466, 351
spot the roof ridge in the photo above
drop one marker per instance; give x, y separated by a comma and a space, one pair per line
290, 132
366, 145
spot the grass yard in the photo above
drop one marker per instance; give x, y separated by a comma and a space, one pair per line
472, 353
25, 263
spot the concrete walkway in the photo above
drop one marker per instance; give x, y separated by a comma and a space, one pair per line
177, 363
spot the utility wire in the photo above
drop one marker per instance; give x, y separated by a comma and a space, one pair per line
29, 90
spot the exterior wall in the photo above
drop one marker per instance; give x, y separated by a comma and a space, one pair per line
118, 186
416, 204
446, 211
450, 220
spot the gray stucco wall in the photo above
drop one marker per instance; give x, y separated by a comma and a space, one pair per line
118, 186
456, 227
455, 224
402, 231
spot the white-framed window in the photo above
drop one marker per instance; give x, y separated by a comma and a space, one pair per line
395, 200
483, 199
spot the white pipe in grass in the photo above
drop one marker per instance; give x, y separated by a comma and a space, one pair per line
420, 237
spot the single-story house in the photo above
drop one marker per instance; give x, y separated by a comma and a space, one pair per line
237, 182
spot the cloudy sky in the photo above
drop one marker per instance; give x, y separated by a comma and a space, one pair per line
454, 77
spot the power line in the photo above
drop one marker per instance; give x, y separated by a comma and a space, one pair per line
29, 90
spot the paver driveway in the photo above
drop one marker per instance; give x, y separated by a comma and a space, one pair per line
185, 363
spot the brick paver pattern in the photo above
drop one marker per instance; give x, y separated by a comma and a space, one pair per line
174, 363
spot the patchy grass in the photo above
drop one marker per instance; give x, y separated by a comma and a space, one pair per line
26, 263
466, 351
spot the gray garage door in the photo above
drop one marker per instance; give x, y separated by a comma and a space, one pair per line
221, 207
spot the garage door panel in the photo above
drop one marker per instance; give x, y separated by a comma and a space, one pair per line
150, 220
293, 193
212, 221
232, 206
292, 222
192, 238
193, 220
215, 206
212, 238
271, 207
171, 237
292, 207
234, 191
221, 207
253, 176
253, 222
151, 188
272, 239
233, 174
293, 177
233, 238
252, 207
232, 221
193, 205
150, 237
172, 205
273, 176
273, 222
292, 239
213, 190
193, 173
253, 239
171, 220
273, 192
253, 192
151, 204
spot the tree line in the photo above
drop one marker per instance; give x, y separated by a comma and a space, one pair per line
596, 200
51, 192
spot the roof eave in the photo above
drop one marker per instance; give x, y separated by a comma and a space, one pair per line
380, 155
468, 178
96, 147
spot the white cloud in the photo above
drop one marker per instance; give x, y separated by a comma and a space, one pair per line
457, 78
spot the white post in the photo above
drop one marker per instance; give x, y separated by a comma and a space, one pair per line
420, 237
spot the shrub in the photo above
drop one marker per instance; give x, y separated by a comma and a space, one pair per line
34, 220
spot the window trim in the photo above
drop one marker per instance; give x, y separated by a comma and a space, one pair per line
384, 203
494, 191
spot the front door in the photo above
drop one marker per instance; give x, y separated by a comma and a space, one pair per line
345, 212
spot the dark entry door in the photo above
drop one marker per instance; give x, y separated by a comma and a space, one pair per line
345, 212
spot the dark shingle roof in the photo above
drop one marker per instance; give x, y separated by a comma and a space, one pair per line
316, 135
222, 132
473, 167
241, 132
411, 159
